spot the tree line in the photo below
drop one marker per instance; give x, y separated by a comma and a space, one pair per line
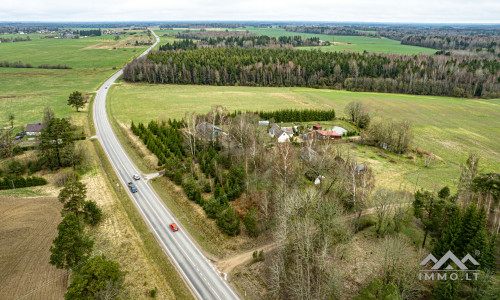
20, 64
293, 115
419, 74
89, 32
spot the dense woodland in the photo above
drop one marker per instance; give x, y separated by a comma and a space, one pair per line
89, 32
419, 74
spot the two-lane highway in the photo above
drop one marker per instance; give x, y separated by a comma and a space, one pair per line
201, 276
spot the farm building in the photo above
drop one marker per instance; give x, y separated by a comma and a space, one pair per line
339, 130
274, 129
317, 127
327, 135
263, 123
208, 130
34, 129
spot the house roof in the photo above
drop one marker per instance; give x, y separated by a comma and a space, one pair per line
316, 125
328, 133
275, 127
205, 126
288, 130
280, 133
35, 127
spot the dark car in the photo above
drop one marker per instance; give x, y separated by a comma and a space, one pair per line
132, 187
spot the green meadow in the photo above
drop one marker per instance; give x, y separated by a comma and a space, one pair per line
448, 127
26, 92
350, 43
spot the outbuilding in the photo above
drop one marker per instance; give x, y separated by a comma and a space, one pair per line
327, 135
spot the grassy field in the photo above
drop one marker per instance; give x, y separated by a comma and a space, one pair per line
26, 92
345, 43
448, 127
350, 43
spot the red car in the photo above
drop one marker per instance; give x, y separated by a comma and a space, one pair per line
174, 227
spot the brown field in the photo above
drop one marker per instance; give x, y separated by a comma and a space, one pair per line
27, 228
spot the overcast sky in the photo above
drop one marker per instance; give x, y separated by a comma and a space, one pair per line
405, 11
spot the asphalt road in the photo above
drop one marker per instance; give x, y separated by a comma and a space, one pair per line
201, 276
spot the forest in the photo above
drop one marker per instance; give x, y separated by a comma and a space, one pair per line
419, 74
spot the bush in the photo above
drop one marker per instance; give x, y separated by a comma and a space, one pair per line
189, 187
34, 166
17, 150
64, 177
367, 221
21, 182
16, 168
153, 292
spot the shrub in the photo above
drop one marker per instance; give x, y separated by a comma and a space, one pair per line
64, 177
153, 292
367, 221
16, 168
17, 150
34, 166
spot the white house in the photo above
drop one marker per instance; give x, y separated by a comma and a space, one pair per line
35, 129
282, 136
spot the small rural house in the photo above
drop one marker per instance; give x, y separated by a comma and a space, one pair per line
274, 129
35, 129
317, 127
282, 136
208, 130
327, 135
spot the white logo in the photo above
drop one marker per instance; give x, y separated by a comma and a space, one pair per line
438, 264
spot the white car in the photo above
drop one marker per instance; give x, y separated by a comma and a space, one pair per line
136, 177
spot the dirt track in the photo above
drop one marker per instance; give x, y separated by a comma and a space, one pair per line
27, 228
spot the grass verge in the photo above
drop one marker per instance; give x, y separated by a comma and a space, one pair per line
153, 249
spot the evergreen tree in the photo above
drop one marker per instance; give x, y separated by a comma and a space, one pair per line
229, 221
250, 222
93, 213
76, 100
73, 197
55, 141
450, 238
429, 210
72, 245
98, 278
446, 290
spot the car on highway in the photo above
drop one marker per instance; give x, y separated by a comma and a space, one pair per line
132, 187
136, 177
174, 227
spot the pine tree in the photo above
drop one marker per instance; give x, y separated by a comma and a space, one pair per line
73, 197
250, 222
451, 234
72, 245
229, 221
446, 290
